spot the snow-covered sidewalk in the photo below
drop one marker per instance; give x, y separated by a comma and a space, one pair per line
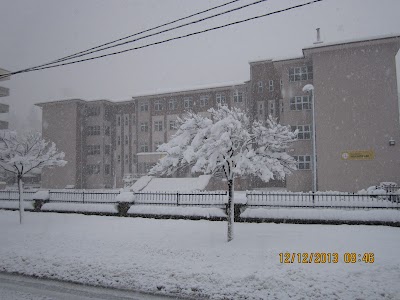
192, 258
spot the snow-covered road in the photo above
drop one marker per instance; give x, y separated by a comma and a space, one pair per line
193, 259
15, 287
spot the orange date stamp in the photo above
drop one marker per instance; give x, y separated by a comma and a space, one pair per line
325, 257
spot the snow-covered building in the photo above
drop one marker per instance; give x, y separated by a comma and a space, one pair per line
356, 120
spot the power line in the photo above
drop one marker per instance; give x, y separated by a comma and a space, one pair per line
171, 39
132, 35
146, 36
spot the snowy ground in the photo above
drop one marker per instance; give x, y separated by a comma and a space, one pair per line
192, 258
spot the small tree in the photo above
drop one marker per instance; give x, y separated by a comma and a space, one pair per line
25, 154
230, 143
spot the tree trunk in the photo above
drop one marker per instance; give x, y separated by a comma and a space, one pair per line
230, 210
21, 199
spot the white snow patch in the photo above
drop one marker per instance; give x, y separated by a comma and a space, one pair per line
192, 258
12, 204
177, 184
125, 197
384, 215
41, 195
141, 183
80, 207
177, 211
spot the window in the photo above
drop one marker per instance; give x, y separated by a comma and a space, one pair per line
303, 162
144, 106
271, 86
119, 158
107, 169
238, 96
144, 148
203, 101
119, 121
134, 159
158, 126
271, 108
300, 73
93, 130
260, 108
172, 104
119, 140
93, 169
188, 102
107, 149
220, 98
158, 105
107, 130
93, 111
304, 131
126, 140
260, 87
281, 105
300, 103
126, 120
92, 149
133, 120
144, 127
172, 125
281, 84
126, 159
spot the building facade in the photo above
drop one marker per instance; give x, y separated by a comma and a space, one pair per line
4, 108
357, 121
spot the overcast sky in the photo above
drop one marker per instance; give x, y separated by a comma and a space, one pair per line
35, 32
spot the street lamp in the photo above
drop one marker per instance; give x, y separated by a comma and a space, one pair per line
309, 88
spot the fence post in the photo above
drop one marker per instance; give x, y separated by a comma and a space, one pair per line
177, 198
9, 195
83, 199
313, 199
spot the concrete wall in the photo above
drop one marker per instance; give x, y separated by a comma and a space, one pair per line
60, 125
356, 109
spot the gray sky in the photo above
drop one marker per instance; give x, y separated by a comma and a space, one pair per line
35, 32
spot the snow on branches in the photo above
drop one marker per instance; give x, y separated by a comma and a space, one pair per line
27, 154
228, 142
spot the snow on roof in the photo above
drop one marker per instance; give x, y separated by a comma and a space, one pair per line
351, 41
177, 184
190, 89
322, 44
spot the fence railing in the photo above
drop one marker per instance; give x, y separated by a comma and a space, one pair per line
215, 199
323, 200
83, 196
219, 199
14, 195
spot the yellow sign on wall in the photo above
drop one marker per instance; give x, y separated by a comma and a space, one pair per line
358, 155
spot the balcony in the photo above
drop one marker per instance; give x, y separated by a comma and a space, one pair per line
4, 92
4, 108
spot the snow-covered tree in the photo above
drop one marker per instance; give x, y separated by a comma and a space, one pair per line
228, 142
25, 154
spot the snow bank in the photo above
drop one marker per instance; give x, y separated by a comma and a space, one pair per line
383, 215
12, 204
177, 184
125, 197
80, 207
205, 212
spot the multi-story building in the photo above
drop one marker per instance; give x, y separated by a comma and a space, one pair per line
4, 92
356, 120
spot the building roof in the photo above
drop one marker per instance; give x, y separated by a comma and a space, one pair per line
322, 46
187, 90
41, 104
